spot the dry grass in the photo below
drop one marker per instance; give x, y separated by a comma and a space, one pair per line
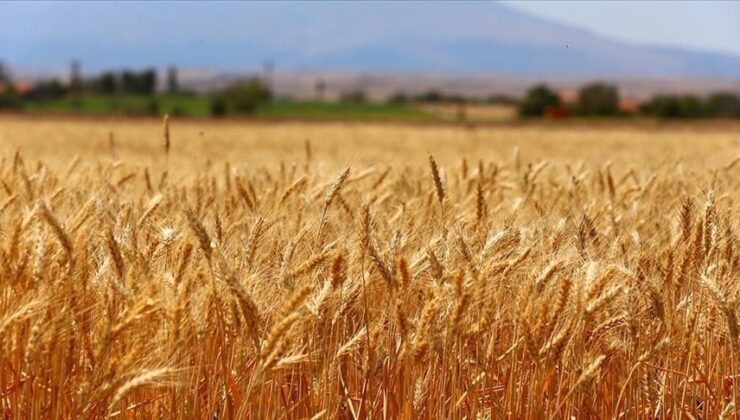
245, 273
476, 113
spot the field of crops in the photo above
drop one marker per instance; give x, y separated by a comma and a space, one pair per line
201, 107
234, 270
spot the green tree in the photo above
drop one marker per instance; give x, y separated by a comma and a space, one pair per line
218, 107
537, 100
47, 89
672, 106
152, 107
9, 98
725, 105
106, 83
598, 99
142, 83
242, 98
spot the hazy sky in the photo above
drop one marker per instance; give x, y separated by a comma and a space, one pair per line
434, 36
712, 25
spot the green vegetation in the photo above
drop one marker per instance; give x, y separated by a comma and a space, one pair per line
718, 105
602, 100
594, 100
241, 98
134, 93
117, 104
203, 106
439, 97
598, 100
538, 100
9, 99
143, 83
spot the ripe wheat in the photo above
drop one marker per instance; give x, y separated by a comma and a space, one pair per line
528, 288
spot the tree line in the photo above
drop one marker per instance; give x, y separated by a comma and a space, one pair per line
602, 100
244, 97
240, 97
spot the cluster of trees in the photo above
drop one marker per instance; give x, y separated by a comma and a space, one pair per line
435, 96
127, 81
123, 82
538, 100
600, 99
8, 96
241, 98
718, 105
595, 99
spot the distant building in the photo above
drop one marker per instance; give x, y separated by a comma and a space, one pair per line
568, 97
21, 87
556, 112
629, 106
569, 100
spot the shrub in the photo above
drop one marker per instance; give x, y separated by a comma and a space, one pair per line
598, 99
242, 98
726, 105
537, 100
218, 107
9, 99
670, 106
152, 107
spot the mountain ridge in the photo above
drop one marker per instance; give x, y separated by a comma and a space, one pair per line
437, 37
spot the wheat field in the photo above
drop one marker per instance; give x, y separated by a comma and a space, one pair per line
243, 270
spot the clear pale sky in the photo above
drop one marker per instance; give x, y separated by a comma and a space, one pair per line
711, 25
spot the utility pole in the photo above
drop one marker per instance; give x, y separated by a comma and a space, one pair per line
172, 84
268, 69
75, 76
320, 89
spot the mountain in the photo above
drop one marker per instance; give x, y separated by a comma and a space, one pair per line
432, 37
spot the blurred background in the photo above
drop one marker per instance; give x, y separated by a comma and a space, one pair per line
464, 62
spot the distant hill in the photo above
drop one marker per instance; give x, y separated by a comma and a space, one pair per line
431, 37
